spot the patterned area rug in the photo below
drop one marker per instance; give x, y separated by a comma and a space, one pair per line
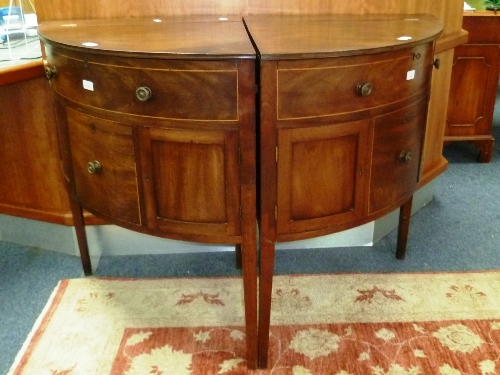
349, 324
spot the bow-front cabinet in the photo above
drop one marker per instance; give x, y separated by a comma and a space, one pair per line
156, 122
343, 109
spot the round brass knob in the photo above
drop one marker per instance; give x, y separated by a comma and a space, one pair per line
50, 72
436, 63
143, 93
364, 88
94, 167
405, 156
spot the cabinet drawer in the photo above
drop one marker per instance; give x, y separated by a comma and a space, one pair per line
397, 148
330, 87
109, 187
180, 92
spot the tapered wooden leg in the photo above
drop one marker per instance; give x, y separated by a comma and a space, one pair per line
404, 227
81, 236
249, 263
248, 260
265, 295
237, 250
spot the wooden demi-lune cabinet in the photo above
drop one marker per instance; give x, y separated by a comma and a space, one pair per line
343, 108
474, 82
156, 122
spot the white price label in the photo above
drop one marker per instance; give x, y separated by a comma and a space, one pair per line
88, 85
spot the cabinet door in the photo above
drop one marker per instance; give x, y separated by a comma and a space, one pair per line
103, 165
397, 148
322, 175
474, 82
192, 181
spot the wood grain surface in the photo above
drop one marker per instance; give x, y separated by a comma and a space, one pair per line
318, 36
30, 154
167, 37
449, 11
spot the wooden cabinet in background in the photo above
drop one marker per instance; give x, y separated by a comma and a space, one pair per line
474, 84
158, 133
35, 187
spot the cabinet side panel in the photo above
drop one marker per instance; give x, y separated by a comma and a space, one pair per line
433, 161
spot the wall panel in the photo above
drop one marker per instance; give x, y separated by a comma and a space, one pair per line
179, 8
450, 11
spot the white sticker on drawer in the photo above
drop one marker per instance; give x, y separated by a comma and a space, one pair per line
410, 75
88, 85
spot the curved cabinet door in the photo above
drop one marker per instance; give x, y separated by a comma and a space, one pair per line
103, 165
322, 175
397, 149
191, 181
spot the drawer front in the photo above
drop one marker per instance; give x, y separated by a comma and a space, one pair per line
350, 84
177, 93
104, 169
397, 149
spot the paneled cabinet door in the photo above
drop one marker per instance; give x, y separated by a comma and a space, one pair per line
473, 90
322, 175
191, 181
103, 164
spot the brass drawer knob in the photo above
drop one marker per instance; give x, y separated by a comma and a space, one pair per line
405, 156
50, 72
436, 63
364, 88
143, 93
94, 167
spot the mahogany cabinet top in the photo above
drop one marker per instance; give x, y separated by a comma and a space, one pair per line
316, 36
182, 37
